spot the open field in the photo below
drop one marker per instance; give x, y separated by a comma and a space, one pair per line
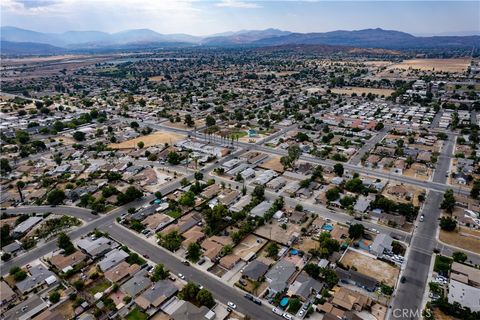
156, 78
181, 125
366, 265
464, 238
361, 90
149, 140
445, 65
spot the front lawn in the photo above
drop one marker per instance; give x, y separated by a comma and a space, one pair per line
136, 314
100, 286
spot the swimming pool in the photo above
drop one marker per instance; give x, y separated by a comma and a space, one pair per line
327, 227
284, 302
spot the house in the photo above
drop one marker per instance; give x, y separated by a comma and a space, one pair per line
27, 309
468, 218
278, 276
229, 261
26, 226
356, 278
7, 295
138, 283
157, 294
247, 173
399, 191
260, 209
156, 221
210, 191
39, 276
349, 300
228, 196
64, 263
121, 271
298, 217
194, 234
183, 223
265, 177
255, 270
112, 259
466, 274
96, 247
362, 204
382, 243
304, 286
276, 183
184, 310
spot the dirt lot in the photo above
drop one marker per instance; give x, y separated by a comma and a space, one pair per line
465, 238
156, 78
366, 265
149, 140
274, 231
272, 163
361, 90
445, 65
250, 244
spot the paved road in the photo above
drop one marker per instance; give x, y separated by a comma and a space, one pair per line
369, 145
409, 295
222, 291
80, 213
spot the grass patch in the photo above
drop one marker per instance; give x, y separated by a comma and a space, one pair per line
136, 314
174, 214
99, 286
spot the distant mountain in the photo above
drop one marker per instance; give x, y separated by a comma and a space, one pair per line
243, 37
138, 38
370, 38
28, 48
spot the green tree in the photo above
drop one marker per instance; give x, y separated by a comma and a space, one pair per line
210, 121
355, 231
272, 249
54, 297
333, 194
338, 169
5, 166
19, 275
140, 144
448, 223
205, 298
187, 199
171, 241
173, 158
448, 203
55, 196
160, 273
189, 121
189, 292
259, 192
64, 243
459, 256
193, 251
227, 249
79, 135
294, 305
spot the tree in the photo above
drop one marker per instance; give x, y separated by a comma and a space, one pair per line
158, 194
259, 192
210, 121
189, 121
160, 273
272, 249
448, 202
355, 231
333, 194
448, 223
329, 276
313, 270
134, 125
205, 298
140, 144
55, 196
189, 292
65, 243
338, 169
54, 297
187, 199
173, 158
79, 135
5, 166
193, 252
294, 305
459, 256
379, 126
227, 249
198, 175
19, 275
171, 241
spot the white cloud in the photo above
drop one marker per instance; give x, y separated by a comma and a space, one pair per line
237, 4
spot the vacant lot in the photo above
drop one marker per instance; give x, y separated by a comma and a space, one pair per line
366, 265
274, 231
272, 163
445, 65
149, 140
181, 125
156, 78
361, 90
248, 245
463, 238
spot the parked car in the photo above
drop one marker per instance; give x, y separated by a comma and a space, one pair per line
248, 296
185, 262
232, 305
287, 316
181, 276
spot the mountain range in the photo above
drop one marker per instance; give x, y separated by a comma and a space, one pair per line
15, 40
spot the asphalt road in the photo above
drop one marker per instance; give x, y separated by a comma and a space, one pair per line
369, 145
219, 289
80, 213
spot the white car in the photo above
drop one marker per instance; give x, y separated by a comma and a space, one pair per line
231, 305
287, 316
181, 276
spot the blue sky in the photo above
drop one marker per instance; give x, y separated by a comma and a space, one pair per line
206, 17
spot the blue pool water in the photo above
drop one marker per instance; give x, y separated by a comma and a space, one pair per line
284, 302
294, 252
327, 227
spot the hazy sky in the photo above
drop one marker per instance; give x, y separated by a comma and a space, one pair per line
207, 17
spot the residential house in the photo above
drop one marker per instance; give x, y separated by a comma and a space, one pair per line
279, 275
255, 270
157, 294
112, 259
39, 275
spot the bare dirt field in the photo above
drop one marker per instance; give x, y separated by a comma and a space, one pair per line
156, 78
445, 65
149, 140
372, 267
272, 163
274, 231
464, 238
361, 90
